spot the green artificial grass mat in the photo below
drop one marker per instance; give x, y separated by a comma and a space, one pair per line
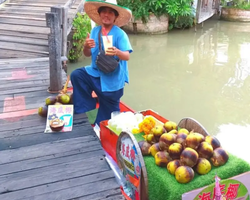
163, 186
92, 115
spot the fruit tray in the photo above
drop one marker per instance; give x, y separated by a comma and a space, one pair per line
161, 184
171, 189
109, 138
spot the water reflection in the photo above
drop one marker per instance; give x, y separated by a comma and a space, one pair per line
203, 75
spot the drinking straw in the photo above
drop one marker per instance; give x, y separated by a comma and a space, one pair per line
105, 33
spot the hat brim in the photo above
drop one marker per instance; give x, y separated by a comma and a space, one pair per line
91, 8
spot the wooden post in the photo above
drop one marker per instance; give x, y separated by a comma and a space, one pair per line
64, 30
55, 42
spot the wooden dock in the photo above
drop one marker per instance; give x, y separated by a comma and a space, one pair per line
35, 165
23, 30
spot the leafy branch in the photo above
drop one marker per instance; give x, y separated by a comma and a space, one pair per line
175, 9
81, 27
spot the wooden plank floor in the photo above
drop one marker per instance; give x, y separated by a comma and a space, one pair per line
39, 166
23, 31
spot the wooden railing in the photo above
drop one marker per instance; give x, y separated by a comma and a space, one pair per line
60, 23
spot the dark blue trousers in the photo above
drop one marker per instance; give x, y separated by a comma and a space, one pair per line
83, 86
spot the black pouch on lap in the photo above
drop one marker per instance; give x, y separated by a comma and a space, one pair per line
105, 63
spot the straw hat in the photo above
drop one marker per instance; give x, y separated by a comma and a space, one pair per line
91, 8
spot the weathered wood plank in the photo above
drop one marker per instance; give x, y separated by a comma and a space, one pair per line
18, 13
38, 1
33, 133
29, 167
51, 159
25, 35
18, 125
33, 4
53, 174
23, 61
36, 93
23, 22
23, 84
14, 75
83, 190
14, 39
40, 128
40, 137
29, 71
77, 125
12, 54
113, 194
27, 9
23, 65
25, 153
23, 28
42, 80
24, 47
21, 17
29, 192
23, 90
47, 167
79, 120
9, 54
54, 2
26, 108
44, 77
22, 124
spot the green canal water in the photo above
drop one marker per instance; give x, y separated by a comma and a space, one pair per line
203, 75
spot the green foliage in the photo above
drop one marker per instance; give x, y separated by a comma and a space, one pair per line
81, 27
240, 4
181, 22
176, 9
139, 8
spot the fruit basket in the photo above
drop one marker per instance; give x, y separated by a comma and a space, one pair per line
109, 138
161, 184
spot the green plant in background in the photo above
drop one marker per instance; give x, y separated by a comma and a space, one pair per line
138, 8
180, 11
239, 4
141, 9
81, 27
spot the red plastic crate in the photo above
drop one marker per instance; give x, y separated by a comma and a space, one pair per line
154, 114
109, 138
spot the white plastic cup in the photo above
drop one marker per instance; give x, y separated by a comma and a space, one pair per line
66, 119
107, 42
